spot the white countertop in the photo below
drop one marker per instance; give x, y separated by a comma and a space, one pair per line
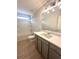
55, 39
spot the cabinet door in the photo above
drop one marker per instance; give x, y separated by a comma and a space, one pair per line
44, 49
39, 44
53, 54
36, 41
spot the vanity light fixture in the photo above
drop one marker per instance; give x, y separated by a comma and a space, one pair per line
52, 8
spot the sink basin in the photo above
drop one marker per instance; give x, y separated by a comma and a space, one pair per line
47, 35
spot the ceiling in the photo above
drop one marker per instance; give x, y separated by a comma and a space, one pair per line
31, 5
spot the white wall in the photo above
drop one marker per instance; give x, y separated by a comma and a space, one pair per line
37, 20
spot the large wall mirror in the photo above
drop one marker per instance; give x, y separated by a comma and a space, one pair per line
51, 19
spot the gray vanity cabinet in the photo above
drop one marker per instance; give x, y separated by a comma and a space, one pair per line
45, 49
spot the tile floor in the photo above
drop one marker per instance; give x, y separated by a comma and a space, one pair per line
26, 50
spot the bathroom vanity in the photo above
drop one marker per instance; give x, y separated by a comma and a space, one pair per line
48, 44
